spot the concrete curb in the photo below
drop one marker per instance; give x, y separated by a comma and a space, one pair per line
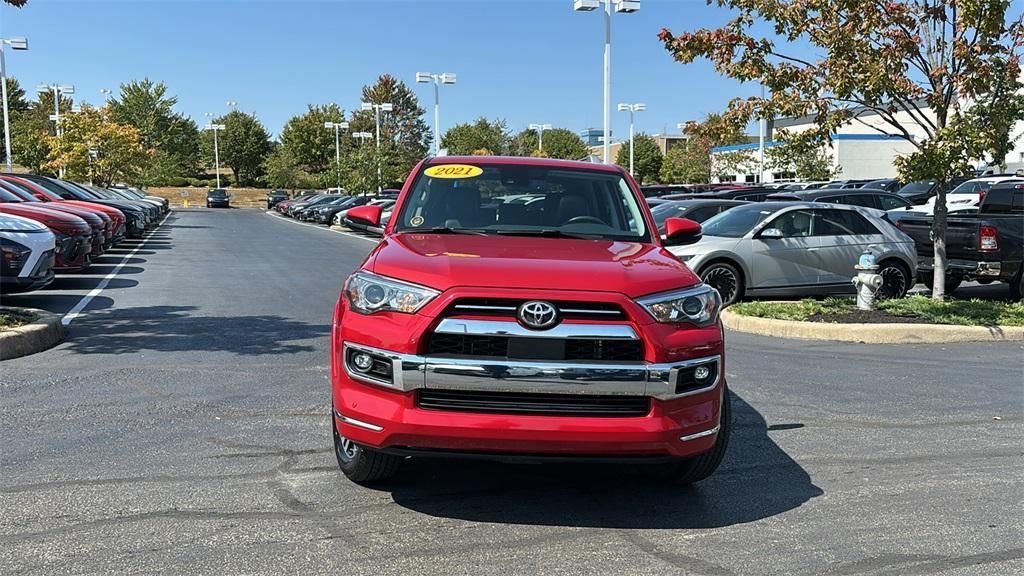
872, 333
37, 336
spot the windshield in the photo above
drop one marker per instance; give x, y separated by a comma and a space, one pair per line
736, 222
917, 187
8, 196
527, 200
973, 187
18, 191
663, 212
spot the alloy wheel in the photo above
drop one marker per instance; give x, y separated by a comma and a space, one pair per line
724, 280
894, 282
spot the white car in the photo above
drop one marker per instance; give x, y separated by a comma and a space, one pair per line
27, 247
966, 196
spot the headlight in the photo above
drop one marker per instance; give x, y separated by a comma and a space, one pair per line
368, 293
698, 305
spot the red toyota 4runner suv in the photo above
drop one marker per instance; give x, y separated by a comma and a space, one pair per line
526, 308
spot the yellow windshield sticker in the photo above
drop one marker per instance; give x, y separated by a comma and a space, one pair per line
453, 171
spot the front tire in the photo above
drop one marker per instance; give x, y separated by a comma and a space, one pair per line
1017, 287
895, 280
952, 281
701, 466
726, 278
361, 464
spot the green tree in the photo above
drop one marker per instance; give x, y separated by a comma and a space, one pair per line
244, 146
996, 112
95, 148
172, 137
686, 163
558, 143
482, 137
283, 171
809, 158
913, 65
311, 145
647, 158
726, 165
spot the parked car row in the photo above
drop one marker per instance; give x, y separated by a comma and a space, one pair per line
328, 208
50, 225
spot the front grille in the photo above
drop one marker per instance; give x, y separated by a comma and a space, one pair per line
44, 264
506, 307
533, 404
517, 348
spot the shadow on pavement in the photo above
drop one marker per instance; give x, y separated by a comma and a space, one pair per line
56, 303
87, 283
175, 328
116, 259
757, 480
104, 269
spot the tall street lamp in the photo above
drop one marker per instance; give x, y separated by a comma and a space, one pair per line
58, 90
437, 80
337, 126
216, 150
377, 109
622, 6
540, 128
106, 93
15, 44
632, 109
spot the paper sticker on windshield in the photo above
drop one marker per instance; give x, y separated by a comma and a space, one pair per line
454, 171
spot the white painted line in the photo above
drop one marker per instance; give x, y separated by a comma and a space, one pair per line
74, 312
293, 221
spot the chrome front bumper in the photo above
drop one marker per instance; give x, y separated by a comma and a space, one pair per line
411, 372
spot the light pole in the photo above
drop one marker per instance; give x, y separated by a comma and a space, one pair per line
106, 93
15, 44
377, 109
216, 149
337, 126
437, 80
632, 109
540, 128
57, 90
625, 7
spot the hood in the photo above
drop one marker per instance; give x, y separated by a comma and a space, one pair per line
443, 261
707, 245
12, 223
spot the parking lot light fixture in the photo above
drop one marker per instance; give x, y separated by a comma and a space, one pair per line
377, 109
632, 109
621, 6
540, 128
216, 150
337, 127
57, 90
15, 44
436, 80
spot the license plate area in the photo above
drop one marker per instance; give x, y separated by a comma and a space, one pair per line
536, 348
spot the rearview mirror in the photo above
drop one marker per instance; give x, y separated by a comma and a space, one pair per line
771, 233
369, 215
681, 231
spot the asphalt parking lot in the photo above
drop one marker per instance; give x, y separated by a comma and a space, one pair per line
183, 428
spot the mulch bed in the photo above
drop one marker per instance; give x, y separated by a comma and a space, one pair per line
865, 317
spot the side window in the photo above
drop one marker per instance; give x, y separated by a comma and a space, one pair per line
892, 202
701, 214
842, 223
1017, 203
832, 199
866, 200
794, 224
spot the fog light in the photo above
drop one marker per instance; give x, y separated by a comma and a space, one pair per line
701, 373
362, 361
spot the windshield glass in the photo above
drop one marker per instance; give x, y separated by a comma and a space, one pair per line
663, 212
519, 199
973, 187
917, 187
18, 191
736, 222
8, 196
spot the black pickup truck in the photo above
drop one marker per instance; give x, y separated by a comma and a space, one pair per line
985, 247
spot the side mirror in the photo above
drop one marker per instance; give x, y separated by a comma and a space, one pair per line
771, 233
681, 231
369, 215
42, 198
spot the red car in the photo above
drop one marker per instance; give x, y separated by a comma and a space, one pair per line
526, 307
117, 218
100, 223
75, 236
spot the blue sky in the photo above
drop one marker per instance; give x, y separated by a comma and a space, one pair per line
524, 61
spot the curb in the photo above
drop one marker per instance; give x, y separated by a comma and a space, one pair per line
37, 336
872, 333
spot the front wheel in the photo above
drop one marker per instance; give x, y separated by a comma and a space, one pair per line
699, 467
895, 281
952, 281
361, 464
726, 278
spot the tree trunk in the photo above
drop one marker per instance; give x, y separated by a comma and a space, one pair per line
939, 244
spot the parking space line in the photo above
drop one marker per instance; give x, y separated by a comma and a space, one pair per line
74, 312
328, 229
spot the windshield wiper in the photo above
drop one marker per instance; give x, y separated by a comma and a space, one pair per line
548, 233
448, 230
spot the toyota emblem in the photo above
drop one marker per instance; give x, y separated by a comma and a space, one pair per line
537, 314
